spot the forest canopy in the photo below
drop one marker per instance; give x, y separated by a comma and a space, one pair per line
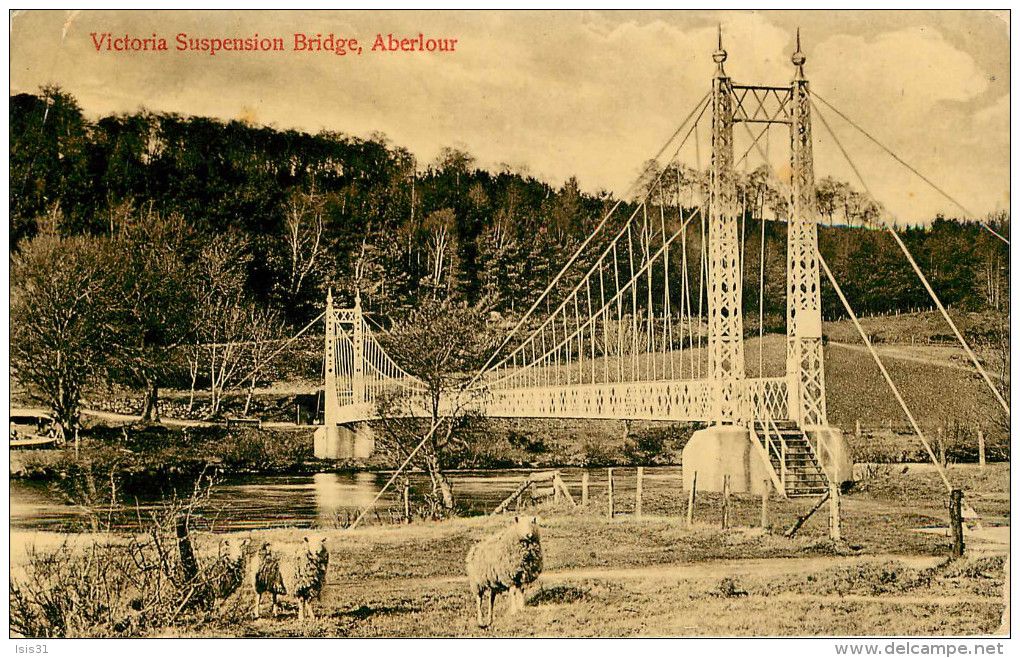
309, 212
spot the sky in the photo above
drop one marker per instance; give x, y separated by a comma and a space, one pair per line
591, 94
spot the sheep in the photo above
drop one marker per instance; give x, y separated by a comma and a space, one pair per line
263, 575
226, 573
508, 561
309, 574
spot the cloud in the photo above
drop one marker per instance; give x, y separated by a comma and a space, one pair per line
589, 94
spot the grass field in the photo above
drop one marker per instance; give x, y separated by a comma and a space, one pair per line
655, 576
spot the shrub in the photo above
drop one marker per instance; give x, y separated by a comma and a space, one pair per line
116, 586
522, 441
265, 450
657, 446
595, 453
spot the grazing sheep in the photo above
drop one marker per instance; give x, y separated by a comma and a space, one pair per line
309, 574
509, 561
264, 576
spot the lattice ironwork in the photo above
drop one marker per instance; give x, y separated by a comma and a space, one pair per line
804, 364
679, 400
609, 350
725, 321
756, 104
767, 398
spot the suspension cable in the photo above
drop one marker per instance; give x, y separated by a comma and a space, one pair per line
920, 274
631, 284
908, 166
535, 305
588, 240
885, 373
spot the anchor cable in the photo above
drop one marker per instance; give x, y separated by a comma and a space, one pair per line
908, 166
920, 274
885, 373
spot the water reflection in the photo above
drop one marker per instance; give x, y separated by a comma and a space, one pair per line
323, 499
335, 493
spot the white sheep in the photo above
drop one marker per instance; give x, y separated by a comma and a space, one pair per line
226, 573
508, 561
309, 574
264, 575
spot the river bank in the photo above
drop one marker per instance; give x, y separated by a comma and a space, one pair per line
639, 577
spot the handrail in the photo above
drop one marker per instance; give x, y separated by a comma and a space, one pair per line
765, 457
818, 457
782, 458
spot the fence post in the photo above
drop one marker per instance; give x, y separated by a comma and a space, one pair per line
726, 502
584, 488
956, 521
981, 449
611, 510
690, 500
407, 503
942, 446
857, 428
834, 529
556, 490
765, 506
637, 502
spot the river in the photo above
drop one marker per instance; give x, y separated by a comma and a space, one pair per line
322, 500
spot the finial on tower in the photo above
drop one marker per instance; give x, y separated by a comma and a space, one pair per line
329, 295
357, 298
719, 56
798, 58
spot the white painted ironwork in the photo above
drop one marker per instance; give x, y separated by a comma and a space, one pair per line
804, 364
725, 316
614, 346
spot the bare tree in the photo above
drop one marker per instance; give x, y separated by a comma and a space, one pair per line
305, 227
59, 328
220, 319
151, 301
439, 233
226, 325
442, 344
262, 328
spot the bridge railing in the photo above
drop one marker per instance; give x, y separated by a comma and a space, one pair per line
767, 397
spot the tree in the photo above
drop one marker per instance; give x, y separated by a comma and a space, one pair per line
303, 240
48, 162
59, 324
151, 301
439, 235
221, 313
829, 196
262, 328
442, 344
456, 161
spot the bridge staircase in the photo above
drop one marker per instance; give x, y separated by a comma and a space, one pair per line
795, 466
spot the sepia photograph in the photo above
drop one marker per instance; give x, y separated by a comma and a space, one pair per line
510, 324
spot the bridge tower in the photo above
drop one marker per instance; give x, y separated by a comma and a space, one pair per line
725, 319
344, 385
728, 447
805, 369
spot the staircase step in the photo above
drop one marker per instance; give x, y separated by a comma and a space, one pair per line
804, 475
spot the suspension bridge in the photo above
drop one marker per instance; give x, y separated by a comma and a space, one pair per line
652, 326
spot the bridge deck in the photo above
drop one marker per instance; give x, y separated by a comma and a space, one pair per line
681, 400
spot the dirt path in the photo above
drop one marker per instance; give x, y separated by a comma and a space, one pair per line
178, 422
902, 355
670, 572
